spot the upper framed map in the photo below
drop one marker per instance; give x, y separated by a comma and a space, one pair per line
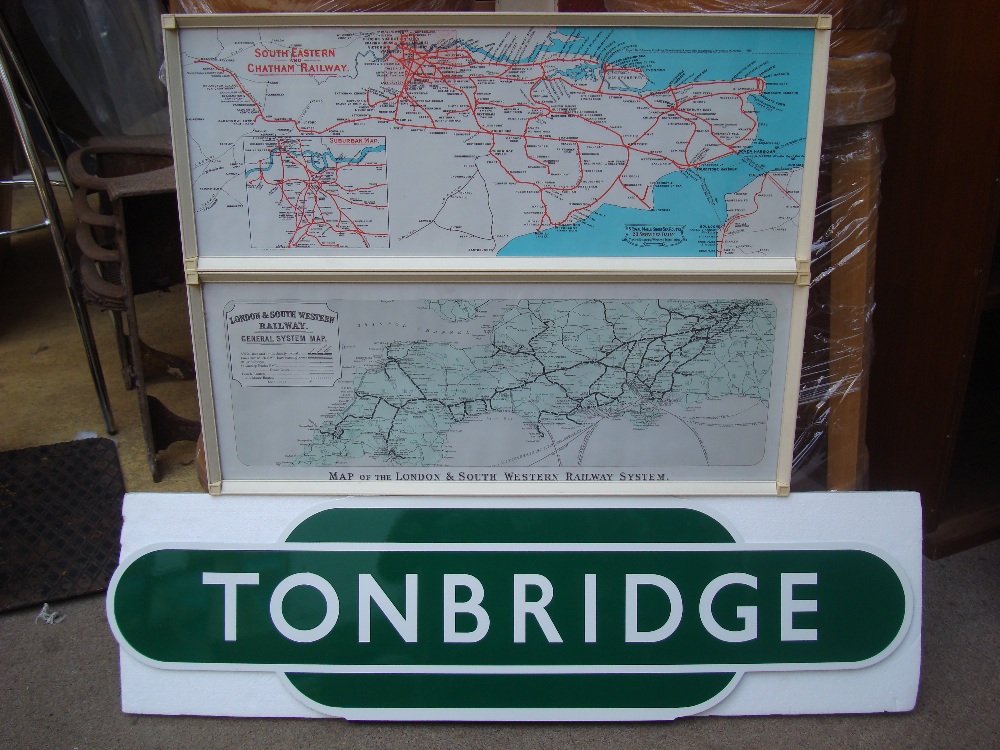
357, 140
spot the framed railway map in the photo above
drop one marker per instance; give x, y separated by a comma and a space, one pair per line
480, 137
497, 253
519, 389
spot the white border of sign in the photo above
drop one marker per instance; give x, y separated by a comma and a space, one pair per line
887, 523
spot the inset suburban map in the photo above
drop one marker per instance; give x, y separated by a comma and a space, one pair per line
320, 191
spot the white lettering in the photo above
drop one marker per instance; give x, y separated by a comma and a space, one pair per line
790, 605
310, 634
590, 608
369, 591
470, 606
522, 607
632, 583
229, 582
745, 613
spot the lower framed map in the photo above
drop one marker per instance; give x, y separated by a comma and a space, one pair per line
498, 388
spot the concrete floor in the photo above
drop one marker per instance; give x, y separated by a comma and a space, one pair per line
59, 683
46, 390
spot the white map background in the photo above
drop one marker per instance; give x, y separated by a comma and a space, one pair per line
532, 142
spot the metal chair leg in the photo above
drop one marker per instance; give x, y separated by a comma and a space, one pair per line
54, 223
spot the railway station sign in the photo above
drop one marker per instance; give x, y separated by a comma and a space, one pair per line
592, 611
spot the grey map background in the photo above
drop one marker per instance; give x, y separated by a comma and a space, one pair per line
305, 432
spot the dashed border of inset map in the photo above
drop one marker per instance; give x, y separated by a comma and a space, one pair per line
340, 201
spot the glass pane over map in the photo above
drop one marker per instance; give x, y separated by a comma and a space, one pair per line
502, 383
496, 141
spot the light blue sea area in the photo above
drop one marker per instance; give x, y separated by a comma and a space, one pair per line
689, 206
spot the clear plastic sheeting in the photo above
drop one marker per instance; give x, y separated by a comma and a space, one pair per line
830, 448
109, 52
829, 441
317, 6
859, 26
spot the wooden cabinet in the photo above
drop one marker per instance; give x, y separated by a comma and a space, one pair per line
934, 405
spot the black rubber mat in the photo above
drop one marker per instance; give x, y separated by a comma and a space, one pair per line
60, 521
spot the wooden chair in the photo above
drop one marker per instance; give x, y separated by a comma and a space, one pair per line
129, 236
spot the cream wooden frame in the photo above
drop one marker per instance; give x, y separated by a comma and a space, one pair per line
726, 270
